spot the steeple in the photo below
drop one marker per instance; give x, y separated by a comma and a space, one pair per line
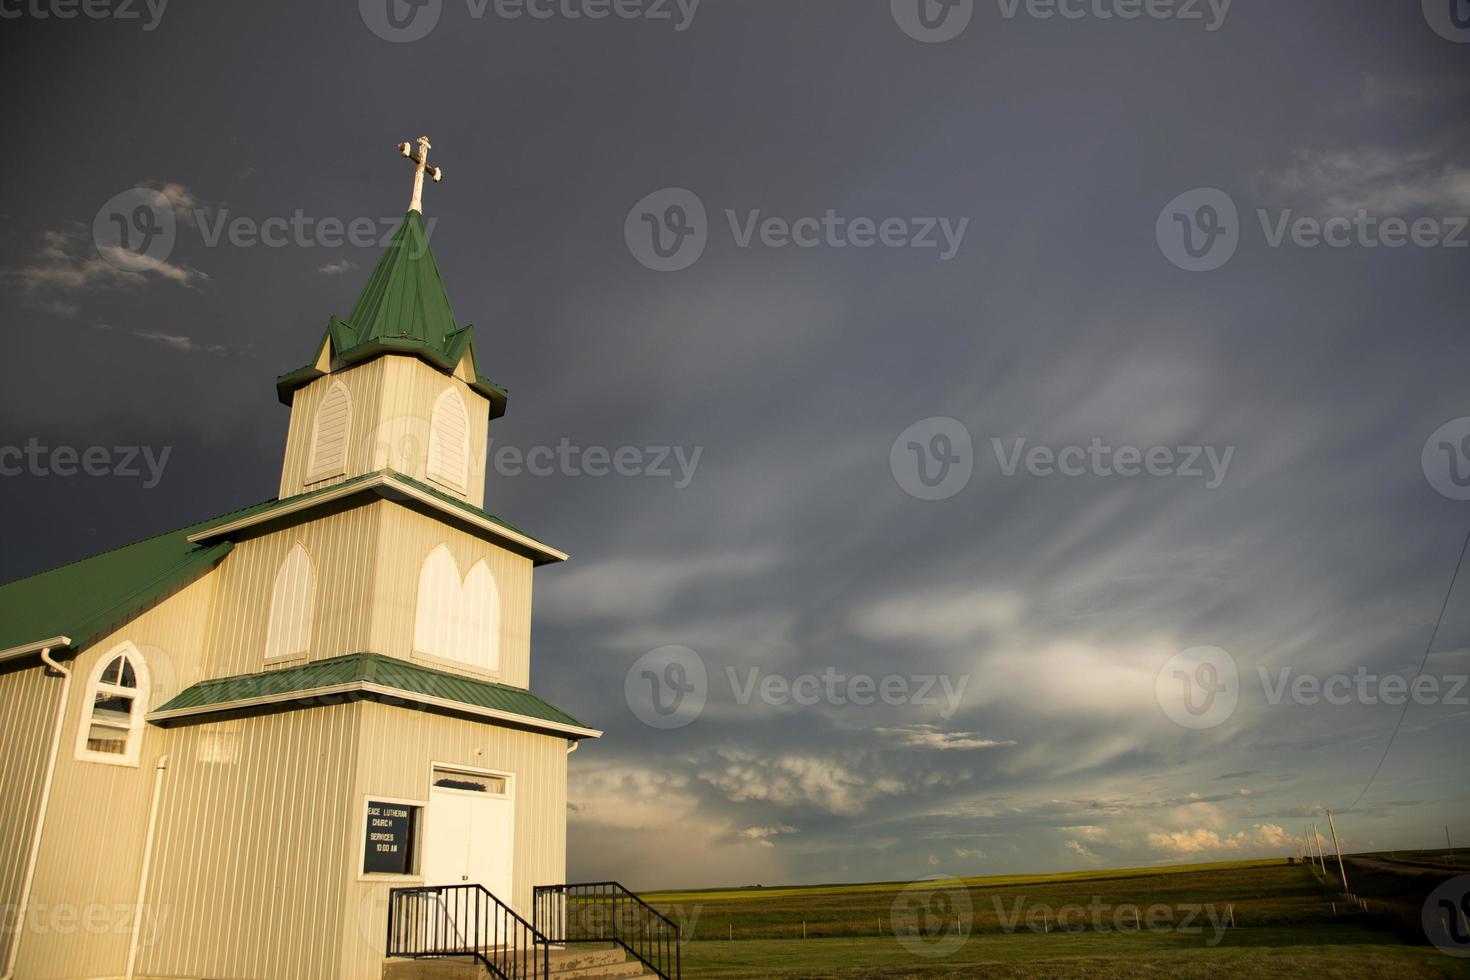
397, 385
404, 299
403, 309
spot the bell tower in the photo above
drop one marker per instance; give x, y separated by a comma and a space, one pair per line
397, 385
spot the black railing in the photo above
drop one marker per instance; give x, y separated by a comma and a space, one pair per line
466, 920
606, 912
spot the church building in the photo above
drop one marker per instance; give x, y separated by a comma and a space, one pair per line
233, 750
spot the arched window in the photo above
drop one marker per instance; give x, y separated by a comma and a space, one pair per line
328, 456
481, 619
456, 619
449, 442
288, 634
113, 709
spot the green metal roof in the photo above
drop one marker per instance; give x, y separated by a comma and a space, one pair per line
90, 597
412, 680
403, 309
93, 596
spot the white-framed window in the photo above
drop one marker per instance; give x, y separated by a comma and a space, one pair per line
449, 442
458, 619
113, 706
288, 634
328, 457
478, 781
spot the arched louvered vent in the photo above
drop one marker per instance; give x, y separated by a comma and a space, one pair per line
329, 436
449, 442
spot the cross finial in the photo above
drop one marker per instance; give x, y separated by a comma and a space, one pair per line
421, 167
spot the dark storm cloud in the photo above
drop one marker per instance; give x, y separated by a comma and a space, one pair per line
793, 550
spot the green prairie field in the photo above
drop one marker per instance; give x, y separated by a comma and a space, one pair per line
1328, 953
1261, 918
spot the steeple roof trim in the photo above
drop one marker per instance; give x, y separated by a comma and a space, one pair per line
403, 309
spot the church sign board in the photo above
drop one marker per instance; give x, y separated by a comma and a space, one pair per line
388, 847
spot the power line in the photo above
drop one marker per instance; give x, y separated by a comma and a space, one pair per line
1422, 664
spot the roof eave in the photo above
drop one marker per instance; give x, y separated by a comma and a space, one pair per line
380, 690
387, 485
29, 649
288, 384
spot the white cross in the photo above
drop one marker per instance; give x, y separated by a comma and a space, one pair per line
421, 167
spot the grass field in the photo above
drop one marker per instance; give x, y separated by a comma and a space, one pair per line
1259, 893
1324, 953
1237, 919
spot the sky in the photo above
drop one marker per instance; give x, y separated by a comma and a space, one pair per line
1013, 408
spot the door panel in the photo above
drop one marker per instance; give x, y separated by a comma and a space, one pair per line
469, 841
446, 851
490, 847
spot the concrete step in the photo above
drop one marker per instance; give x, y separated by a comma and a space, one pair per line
605, 971
579, 957
570, 963
445, 969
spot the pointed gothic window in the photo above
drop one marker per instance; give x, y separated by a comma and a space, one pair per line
112, 713
449, 442
458, 619
289, 633
328, 456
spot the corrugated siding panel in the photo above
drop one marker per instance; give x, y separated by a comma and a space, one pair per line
27, 721
92, 847
411, 391
256, 845
364, 384
341, 546
393, 399
397, 751
405, 540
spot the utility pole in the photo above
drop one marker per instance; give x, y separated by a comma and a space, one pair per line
1448, 844
1321, 859
1332, 826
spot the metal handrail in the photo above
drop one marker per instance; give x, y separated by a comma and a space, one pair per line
466, 920
606, 912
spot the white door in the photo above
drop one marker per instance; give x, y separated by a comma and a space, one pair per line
469, 839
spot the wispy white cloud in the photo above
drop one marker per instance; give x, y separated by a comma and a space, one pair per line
1201, 841
337, 268
943, 617
187, 205
68, 261
799, 780
763, 835
175, 341
1080, 849
1379, 180
933, 737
